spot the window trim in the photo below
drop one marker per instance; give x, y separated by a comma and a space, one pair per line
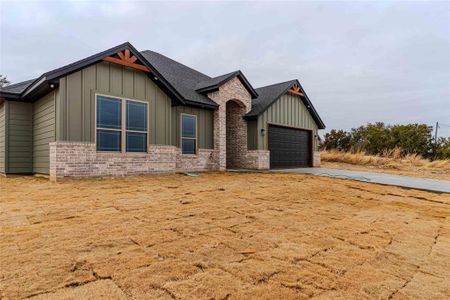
181, 133
123, 129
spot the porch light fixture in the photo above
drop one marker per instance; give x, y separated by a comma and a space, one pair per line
263, 132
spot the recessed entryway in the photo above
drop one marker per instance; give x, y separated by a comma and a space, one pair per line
236, 129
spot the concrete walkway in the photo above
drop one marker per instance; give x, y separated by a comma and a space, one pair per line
440, 186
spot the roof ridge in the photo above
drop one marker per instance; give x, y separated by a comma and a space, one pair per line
175, 61
279, 83
225, 74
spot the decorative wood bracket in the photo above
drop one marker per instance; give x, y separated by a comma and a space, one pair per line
126, 60
295, 89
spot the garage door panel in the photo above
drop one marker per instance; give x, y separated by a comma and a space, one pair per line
289, 147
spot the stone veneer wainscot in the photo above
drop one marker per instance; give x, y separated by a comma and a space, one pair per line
79, 160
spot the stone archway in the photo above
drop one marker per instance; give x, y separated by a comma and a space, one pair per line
236, 134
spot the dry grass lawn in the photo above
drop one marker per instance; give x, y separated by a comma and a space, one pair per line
391, 162
222, 236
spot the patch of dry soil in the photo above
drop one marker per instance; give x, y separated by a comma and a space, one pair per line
221, 236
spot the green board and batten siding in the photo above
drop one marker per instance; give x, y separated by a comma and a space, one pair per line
2, 137
18, 140
75, 117
288, 110
43, 132
205, 125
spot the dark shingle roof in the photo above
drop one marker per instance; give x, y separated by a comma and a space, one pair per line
17, 88
269, 94
181, 77
183, 83
212, 82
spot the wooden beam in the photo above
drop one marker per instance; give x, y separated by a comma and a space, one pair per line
132, 59
295, 89
127, 54
121, 55
296, 93
126, 63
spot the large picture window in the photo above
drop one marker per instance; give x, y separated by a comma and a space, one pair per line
188, 134
122, 124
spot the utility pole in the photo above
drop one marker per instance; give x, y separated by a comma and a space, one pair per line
435, 132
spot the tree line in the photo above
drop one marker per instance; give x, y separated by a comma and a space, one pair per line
378, 137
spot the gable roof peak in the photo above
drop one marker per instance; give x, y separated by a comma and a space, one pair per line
213, 84
270, 93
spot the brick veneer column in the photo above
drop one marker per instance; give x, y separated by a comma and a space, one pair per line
231, 90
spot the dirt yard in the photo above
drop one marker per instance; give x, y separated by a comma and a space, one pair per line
222, 236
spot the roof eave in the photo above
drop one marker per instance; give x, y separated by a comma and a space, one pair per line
208, 89
7, 95
251, 117
71, 68
201, 105
247, 84
315, 114
238, 74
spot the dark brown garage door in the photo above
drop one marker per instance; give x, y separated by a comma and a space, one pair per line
289, 147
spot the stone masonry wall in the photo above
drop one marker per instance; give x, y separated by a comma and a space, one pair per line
257, 160
236, 129
202, 161
78, 160
235, 91
316, 159
231, 90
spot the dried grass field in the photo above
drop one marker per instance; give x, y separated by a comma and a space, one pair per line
221, 236
389, 162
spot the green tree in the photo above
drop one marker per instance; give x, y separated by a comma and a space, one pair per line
337, 139
412, 138
375, 138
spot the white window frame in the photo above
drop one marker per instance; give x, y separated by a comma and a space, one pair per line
123, 130
189, 138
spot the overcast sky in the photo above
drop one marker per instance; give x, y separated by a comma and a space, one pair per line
359, 62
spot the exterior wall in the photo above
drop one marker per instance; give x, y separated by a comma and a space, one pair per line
2, 137
258, 159
19, 144
75, 101
316, 159
205, 126
43, 132
288, 110
231, 90
80, 160
252, 135
236, 140
204, 160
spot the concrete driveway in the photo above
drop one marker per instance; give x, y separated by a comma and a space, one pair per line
440, 186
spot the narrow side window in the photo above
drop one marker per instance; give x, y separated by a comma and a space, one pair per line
188, 134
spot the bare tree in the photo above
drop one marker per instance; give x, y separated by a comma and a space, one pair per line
4, 81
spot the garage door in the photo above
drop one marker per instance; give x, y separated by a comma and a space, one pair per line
289, 147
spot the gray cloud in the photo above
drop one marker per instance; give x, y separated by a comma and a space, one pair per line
358, 61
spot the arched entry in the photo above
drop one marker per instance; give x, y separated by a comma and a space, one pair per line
236, 134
